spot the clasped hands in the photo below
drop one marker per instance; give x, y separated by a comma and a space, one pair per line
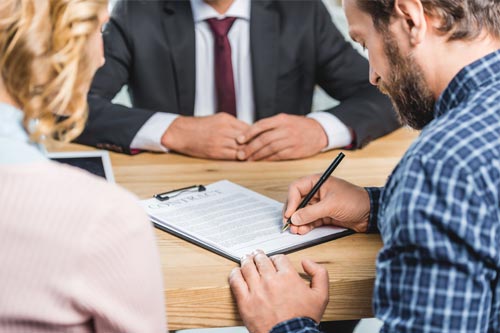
222, 136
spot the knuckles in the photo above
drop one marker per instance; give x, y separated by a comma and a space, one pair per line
282, 117
223, 116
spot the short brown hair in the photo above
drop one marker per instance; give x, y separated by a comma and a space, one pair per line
460, 19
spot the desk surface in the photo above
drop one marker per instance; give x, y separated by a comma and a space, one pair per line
196, 287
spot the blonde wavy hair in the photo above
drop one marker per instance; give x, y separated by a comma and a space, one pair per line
44, 62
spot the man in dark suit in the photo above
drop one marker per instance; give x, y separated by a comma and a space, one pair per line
178, 80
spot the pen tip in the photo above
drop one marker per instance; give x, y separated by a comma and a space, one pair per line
285, 227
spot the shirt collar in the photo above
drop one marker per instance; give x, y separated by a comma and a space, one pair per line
203, 11
470, 78
15, 146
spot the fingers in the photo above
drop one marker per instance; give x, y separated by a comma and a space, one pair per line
226, 154
276, 151
249, 271
318, 274
222, 144
256, 265
228, 133
240, 126
256, 129
270, 139
224, 148
238, 284
283, 210
266, 144
311, 213
301, 230
227, 126
273, 151
229, 130
206, 137
282, 263
263, 263
281, 155
296, 191
224, 118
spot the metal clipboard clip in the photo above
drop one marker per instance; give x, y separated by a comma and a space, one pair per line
171, 194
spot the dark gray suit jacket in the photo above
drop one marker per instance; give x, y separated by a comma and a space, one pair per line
150, 46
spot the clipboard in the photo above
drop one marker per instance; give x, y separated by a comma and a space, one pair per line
231, 220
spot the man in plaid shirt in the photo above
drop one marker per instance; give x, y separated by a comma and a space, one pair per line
439, 212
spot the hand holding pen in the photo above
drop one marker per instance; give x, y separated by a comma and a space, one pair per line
316, 187
336, 202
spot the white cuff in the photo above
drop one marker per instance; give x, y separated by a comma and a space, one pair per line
337, 132
149, 136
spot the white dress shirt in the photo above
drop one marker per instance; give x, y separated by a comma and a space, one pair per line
149, 136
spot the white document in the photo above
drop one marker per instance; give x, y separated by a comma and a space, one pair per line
232, 221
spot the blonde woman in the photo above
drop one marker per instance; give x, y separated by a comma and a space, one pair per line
76, 254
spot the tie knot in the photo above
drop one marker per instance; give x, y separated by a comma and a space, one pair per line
220, 28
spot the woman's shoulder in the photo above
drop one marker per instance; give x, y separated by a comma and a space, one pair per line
70, 187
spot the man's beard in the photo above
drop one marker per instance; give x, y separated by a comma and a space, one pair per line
405, 85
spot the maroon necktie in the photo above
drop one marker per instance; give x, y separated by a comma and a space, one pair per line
224, 81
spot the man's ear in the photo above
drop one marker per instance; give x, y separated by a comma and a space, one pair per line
411, 16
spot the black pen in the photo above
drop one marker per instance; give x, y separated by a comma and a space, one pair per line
316, 187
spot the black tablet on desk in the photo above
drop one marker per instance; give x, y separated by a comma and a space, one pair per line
96, 162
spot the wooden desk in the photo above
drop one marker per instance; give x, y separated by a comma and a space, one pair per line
196, 287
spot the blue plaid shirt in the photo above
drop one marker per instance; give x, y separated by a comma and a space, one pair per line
439, 216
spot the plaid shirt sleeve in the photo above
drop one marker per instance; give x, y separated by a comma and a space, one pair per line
374, 194
436, 271
296, 325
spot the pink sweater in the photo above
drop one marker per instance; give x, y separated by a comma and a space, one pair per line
76, 254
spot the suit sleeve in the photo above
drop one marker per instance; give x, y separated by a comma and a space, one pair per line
112, 126
343, 73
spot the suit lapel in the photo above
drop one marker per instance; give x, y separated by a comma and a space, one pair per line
264, 30
179, 30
